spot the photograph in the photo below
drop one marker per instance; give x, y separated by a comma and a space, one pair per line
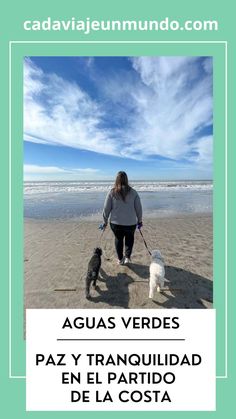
118, 182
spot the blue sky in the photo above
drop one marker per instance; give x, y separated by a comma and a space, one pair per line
86, 118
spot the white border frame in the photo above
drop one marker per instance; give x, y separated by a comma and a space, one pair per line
225, 43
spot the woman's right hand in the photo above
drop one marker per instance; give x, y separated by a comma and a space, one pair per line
102, 226
140, 225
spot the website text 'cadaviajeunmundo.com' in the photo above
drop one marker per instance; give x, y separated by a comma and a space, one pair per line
88, 25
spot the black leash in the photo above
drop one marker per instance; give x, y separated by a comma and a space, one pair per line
145, 242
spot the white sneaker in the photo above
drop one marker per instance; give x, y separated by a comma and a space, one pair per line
120, 262
127, 260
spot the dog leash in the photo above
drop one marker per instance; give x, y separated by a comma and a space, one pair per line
103, 246
104, 250
103, 231
145, 243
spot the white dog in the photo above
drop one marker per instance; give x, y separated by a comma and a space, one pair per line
157, 273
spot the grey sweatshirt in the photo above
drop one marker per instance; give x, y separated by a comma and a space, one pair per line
126, 213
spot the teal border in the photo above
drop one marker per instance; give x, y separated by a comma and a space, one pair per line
17, 51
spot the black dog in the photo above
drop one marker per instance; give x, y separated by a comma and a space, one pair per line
93, 270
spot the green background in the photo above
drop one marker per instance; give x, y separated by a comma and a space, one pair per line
13, 15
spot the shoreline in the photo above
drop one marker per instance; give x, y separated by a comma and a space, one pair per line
97, 219
57, 254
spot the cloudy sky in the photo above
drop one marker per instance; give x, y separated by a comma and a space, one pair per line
88, 117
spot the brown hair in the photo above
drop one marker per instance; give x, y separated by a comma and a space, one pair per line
121, 186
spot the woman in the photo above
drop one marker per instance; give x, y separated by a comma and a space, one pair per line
124, 207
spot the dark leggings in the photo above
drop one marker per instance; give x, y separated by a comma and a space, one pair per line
121, 233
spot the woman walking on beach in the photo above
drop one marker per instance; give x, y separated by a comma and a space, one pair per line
124, 207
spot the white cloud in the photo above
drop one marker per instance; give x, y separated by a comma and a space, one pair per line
58, 112
35, 169
162, 111
208, 65
176, 108
32, 168
86, 170
204, 150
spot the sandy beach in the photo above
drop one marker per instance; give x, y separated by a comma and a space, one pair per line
57, 255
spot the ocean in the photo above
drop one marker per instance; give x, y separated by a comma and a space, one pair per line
85, 199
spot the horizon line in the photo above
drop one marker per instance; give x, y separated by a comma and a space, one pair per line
112, 180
